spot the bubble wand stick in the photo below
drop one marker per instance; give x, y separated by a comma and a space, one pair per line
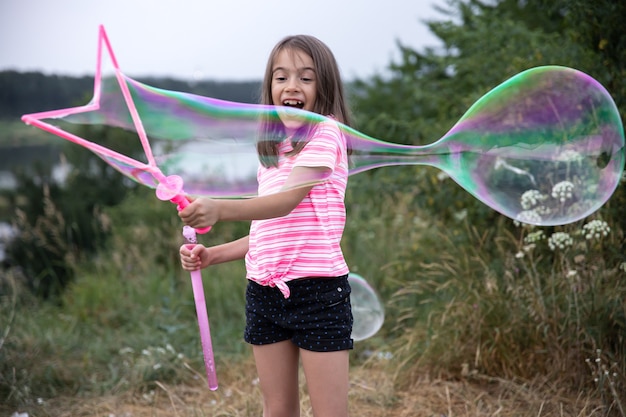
203, 318
172, 189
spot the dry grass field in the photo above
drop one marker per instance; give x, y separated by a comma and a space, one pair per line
373, 394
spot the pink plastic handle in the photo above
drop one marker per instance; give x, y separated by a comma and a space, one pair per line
203, 318
171, 188
183, 202
205, 331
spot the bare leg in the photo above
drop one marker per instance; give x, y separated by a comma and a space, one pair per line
327, 380
277, 367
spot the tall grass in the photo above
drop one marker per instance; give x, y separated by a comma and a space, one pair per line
498, 302
127, 320
541, 307
515, 304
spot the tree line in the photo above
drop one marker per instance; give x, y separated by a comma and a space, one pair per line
29, 92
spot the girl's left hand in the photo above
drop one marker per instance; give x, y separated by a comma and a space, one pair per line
194, 257
200, 213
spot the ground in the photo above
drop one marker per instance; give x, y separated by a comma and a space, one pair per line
373, 394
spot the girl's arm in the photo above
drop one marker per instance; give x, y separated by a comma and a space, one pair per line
200, 256
206, 212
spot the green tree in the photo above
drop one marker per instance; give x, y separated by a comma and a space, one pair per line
61, 223
474, 275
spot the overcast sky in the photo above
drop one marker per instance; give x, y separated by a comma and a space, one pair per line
218, 40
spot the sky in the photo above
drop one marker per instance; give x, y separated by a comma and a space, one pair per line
227, 40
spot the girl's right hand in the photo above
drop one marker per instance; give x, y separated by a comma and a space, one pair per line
200, 213
194, 257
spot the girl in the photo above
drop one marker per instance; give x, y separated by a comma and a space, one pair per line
297, 299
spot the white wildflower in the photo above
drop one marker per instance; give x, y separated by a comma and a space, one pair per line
519, 255
528, 216
531, 198
596, 229
569, 155
534, 237
560, 240
460, 215
149, 396
384, 355
543, 210
563, 191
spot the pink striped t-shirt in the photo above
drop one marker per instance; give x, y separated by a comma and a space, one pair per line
306, 242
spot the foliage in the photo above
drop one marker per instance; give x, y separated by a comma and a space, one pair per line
60, 222
127, 319
469, 299
510, 311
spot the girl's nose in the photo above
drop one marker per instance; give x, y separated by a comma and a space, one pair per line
292, 84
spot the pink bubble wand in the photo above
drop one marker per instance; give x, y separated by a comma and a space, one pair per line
172, 189
203, 319
168, 187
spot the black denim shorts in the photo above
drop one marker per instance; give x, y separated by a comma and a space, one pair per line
317, 315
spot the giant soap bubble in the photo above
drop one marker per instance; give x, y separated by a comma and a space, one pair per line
545, 147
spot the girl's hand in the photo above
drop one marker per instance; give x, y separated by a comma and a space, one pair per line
194, 257
200, 213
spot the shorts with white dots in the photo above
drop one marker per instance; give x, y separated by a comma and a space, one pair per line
317, 315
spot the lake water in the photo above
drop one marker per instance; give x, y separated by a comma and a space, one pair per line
17, 158
7, 233
7, 180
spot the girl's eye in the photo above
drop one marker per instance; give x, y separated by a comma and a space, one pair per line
307, 76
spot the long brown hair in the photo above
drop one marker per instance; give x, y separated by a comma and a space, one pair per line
330, 99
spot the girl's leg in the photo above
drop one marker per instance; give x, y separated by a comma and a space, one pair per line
277, 367
327, 381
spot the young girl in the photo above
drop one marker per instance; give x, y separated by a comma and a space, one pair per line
297, 299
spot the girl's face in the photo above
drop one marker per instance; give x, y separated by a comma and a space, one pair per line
294, 84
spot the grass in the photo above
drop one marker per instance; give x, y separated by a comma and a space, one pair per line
478, 322
373, 393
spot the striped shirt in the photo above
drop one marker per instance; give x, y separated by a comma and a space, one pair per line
306, 242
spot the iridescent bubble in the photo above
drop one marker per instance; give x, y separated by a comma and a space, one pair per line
367, 309
545, 147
